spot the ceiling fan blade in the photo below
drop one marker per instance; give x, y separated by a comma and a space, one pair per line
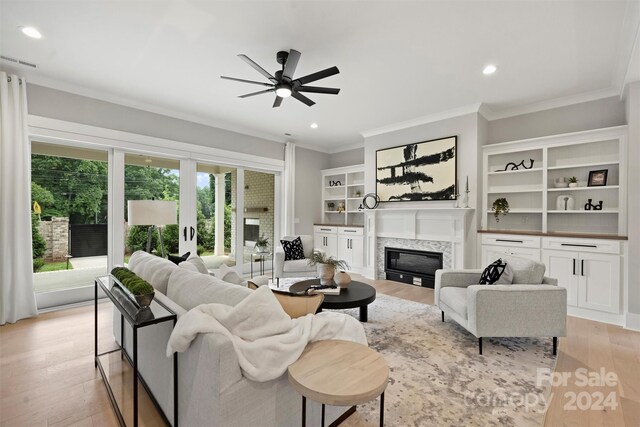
277, 102
256, 67
246, 81
292, 63
318, 75
260, 92
316, 89
300, 97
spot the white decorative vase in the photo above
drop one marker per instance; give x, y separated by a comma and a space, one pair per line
573, 184
560, 183
342, 279
326, 273
565, 202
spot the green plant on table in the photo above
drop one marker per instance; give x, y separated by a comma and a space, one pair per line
318, 257
262, 242
500, 207
131, 281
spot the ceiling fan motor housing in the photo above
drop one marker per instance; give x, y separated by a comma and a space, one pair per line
282, 56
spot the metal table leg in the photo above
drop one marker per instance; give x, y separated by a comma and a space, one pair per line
135, 376
304, 411
382, 409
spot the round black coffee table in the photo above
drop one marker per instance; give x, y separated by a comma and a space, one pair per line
357, 294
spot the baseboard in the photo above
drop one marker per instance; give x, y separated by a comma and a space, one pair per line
632, 321
598, 316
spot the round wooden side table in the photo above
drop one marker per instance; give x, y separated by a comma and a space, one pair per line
340, 373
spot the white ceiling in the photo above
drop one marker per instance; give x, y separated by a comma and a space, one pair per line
398, 60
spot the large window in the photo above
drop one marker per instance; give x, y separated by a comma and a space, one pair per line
69, 196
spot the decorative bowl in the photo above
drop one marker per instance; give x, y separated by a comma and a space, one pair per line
144, 301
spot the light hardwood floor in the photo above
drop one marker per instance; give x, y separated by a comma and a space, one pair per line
47, 377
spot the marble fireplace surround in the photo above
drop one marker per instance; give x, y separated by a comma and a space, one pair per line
432, 229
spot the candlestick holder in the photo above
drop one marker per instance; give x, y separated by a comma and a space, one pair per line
457, 201
466, 199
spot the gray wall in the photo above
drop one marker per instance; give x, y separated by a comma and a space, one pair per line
596, 114
347, 158
52, 103
308, 201
633, 209
466, 129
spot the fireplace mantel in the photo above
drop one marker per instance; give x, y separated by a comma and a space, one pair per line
431, 224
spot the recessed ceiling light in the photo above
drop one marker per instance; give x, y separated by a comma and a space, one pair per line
314, 126
31, 32
489, 69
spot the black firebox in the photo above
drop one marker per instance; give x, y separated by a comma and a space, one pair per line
405, 265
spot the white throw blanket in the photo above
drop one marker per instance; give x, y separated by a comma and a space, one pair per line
265, 338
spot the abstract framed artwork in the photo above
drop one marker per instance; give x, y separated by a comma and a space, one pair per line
598, 178
417, 172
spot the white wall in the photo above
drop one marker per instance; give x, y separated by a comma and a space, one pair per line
597, 114
466, 129
56, 104
633, 203
308, 199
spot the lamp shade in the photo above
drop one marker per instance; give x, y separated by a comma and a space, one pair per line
152, 212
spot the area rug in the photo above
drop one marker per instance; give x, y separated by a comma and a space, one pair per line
438, 378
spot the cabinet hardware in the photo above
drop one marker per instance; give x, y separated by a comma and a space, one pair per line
582, 267
508, 240
349, 231
577, 245
193, 233
325, 229
574, 266
185, 233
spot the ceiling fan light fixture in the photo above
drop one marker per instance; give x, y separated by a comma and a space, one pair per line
283, 91
489, 69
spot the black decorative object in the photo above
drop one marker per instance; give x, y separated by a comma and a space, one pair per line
598, 178
418, 171
292, 249
514, 167
492, 273
371, 201
590, 206
335, 183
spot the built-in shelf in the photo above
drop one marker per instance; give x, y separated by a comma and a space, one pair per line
604, 211
351, 179
354, 198
607, 187
513, 190
334, 186
361, 184
519, 211
517, 171
584, 165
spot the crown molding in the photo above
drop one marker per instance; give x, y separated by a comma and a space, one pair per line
632, 72
312, 147
550, 104
344, 148
435, 117
127, 102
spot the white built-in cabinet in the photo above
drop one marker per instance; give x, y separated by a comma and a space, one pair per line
583, 249
342, 242
342, 194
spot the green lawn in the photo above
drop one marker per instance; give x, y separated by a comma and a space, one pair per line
55, 266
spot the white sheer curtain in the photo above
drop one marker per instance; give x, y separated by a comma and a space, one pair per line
17, 300
289, 189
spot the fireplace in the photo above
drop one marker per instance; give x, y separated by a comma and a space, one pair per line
251, 231
406, 265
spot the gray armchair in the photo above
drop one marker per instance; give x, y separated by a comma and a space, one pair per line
295, 268
533, 306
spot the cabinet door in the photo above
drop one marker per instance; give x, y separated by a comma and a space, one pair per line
344, 249
357, 249
331, 247
599, 287
564, 266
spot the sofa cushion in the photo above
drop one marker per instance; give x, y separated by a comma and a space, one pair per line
456, 298
297, 266
293, 249
198, 263
153, 269
229, 275
188, 266
525, 271
189, 290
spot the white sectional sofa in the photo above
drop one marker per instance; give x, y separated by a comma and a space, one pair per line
211, 388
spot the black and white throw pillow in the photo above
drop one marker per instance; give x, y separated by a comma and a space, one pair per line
498, 272
292, 249
177, 259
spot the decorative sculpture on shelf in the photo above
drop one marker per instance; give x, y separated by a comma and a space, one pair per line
514, 167
335, 184
590, 206
371, 201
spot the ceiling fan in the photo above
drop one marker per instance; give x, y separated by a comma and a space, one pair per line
283, 83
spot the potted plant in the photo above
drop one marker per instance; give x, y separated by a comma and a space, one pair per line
573, 182
140, 289
262, 244
500, 206
326, 266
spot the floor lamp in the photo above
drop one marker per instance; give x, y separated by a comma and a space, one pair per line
154, 213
